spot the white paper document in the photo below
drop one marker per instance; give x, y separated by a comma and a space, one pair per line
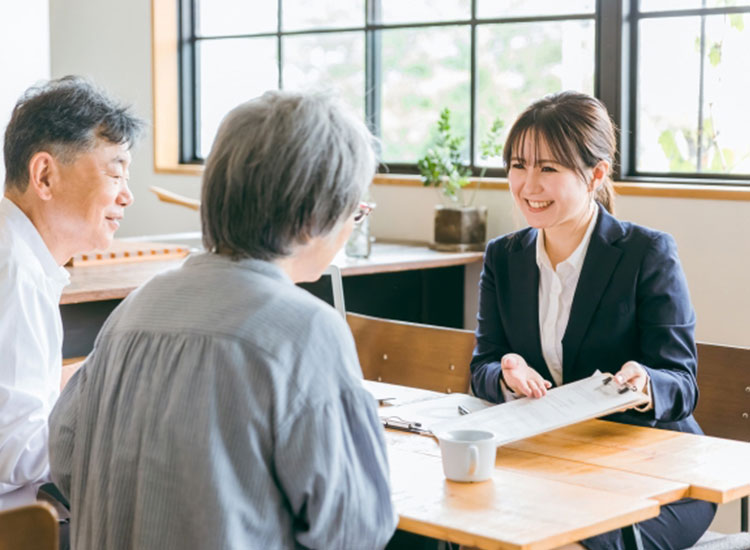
575, 402
393, 394
434, 412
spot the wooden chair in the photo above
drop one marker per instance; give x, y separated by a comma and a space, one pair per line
724, 383
724, 411
32, 527
409, 354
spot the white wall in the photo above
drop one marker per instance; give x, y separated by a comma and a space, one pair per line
24, 55
110, 41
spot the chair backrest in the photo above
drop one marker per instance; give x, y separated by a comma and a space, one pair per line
420, 356
32, 527
724, 383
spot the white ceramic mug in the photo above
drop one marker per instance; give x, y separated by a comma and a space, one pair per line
468, 455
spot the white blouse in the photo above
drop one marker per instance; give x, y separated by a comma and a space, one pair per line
557, 286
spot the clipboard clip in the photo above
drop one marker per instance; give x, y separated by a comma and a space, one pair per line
623, 389
398, 423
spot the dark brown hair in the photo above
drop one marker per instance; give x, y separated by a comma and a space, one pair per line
577, 130
63, 117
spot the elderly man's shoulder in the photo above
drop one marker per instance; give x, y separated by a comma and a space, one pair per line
18, 263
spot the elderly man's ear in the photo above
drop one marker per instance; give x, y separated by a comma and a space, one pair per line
43, 172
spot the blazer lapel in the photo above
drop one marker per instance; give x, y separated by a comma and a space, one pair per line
598, 267
523, 298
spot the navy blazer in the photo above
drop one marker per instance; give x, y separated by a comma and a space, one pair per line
631, 303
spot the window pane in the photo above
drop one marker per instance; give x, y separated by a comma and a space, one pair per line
226, 17
232, 71
398, 11
667, 100
424, 70
664, 5
310, 14
516, 8
327, 61
669, 91
519, 63
726, 117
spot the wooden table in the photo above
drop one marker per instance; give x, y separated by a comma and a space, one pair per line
562, 486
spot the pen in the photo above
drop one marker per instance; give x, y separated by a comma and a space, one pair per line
463, 410
396, 423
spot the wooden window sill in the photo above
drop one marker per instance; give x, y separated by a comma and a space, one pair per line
646, 189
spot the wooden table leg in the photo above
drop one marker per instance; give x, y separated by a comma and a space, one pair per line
632, 537
744, 511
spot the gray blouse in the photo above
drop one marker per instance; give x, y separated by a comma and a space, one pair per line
222, 408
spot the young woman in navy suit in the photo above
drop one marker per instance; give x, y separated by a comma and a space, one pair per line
579, 290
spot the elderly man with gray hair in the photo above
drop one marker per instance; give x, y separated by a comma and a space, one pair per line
67, 156
222, 405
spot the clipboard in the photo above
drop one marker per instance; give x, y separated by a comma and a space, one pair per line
578, 401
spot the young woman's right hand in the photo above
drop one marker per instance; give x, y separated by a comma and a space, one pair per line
521, 378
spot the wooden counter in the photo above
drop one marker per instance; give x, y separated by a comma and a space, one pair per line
110, 282
404, 281
395, 257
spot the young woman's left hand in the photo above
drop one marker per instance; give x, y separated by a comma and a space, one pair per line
633, 374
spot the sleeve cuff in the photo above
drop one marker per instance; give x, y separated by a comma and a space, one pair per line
647, 390
508, 394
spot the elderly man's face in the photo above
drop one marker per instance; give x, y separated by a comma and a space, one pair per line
93, 195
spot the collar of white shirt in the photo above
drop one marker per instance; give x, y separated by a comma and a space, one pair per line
23, 228
574, 262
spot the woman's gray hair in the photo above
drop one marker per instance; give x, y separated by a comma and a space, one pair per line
284, 168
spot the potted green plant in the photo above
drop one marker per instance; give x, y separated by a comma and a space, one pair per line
459, 225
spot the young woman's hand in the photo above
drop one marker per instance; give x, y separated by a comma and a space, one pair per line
521, 378
632, 374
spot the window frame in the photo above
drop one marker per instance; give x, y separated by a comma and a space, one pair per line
627, 170
615, 84
189, 98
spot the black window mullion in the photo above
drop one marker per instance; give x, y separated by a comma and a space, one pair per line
373, 67
279, 46
610, 67
725, 10
701, 89
188, 79
629, 155
473, 87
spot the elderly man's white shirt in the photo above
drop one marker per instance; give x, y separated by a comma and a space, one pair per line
31, 284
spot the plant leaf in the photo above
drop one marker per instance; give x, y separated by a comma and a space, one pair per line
736, 21
714, 54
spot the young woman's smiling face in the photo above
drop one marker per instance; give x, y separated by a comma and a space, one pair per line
548, 194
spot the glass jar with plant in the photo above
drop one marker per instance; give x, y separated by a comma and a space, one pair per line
459, 225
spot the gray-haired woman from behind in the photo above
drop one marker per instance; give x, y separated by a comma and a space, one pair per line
222, 405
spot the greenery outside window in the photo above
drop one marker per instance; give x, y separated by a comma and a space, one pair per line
671, 72
398, 63
692, 75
